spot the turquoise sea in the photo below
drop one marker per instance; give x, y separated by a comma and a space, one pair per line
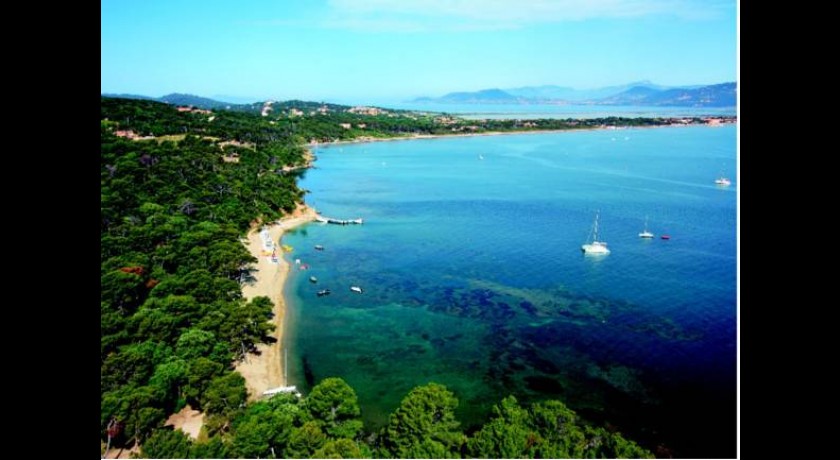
473, 277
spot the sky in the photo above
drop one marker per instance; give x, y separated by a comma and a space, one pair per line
394, 50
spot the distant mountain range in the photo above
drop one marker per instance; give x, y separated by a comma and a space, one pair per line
181, 99
637, 93
562, 93
483, 96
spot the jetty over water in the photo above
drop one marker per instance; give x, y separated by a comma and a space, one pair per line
330, 220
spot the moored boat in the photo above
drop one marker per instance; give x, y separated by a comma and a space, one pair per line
289, 389
595, 247
330, 220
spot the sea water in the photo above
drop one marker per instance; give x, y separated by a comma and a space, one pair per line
473, 277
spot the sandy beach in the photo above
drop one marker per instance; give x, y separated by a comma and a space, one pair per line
265, 370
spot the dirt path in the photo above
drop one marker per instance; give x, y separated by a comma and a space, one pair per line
187, 420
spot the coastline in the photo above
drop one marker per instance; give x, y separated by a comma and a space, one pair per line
265, 370
366, 140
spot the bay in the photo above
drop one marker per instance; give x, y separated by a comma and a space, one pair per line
473, 277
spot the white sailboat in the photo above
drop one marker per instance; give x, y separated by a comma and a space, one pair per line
646, 233
595, 247
722, 180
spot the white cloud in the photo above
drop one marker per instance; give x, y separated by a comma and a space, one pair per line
424, 15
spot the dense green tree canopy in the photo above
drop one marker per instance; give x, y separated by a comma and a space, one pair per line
167, 444
225, 394
266, 426
343, 448
305, 440
546, 430
336, 408
424, 426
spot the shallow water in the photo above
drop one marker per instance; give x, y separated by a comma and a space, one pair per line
473, 277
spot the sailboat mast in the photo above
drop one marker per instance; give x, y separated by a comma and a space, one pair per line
596, 226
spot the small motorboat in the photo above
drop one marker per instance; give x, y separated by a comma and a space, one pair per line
323, 292
356, 289
312, 279
666, 237
318, 247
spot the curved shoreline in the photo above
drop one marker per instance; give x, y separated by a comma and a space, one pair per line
366, 140
265, 369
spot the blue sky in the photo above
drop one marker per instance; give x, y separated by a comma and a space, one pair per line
390, 50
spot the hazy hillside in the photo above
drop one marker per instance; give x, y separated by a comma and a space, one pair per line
639, 93
722, 95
